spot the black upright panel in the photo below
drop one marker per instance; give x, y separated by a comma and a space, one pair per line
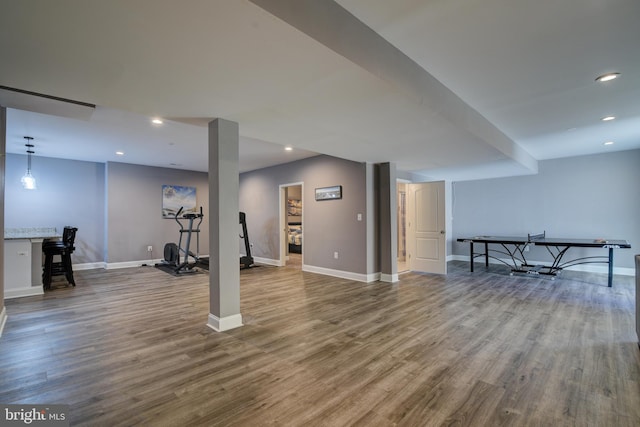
247, 260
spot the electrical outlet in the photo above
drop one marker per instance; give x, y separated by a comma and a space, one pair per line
335, 255
149, 248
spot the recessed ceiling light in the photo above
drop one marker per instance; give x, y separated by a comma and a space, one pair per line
288, 148
120, 153
607, 77
157, 121
608, 143
608, 118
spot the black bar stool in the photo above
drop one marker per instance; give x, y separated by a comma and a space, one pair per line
64, 248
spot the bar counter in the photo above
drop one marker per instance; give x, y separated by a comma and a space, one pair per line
23, 260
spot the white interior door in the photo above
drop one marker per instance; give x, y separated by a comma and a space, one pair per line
426, 234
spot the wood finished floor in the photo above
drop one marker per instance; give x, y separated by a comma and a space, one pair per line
130, 347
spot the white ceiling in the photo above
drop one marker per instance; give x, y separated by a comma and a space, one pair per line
447, 89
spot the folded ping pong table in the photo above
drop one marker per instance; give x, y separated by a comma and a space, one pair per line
514, 248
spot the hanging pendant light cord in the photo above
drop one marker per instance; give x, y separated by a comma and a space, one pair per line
28, 181
29, 153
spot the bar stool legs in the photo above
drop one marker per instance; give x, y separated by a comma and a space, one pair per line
52, 268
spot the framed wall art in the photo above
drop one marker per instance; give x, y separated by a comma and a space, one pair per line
175, 197
329, 193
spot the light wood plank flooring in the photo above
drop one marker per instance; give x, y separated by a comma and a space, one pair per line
130, 347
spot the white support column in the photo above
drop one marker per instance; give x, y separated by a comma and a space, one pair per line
224, 264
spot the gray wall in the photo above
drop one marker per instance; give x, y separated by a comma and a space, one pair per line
329, 226
68, 192
114, 225
589, 196
134, 210
593, 196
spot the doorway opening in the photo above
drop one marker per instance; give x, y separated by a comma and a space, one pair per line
291, 225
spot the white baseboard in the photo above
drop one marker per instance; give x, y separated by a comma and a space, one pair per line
3, 319
339, 273
89, 266
603, 269
268, 261
152, 262
27, 292
129, 264
389, 278
225, 323
373, 277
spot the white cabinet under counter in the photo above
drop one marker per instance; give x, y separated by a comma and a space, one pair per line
23, 260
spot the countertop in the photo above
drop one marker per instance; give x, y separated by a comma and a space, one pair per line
31, 233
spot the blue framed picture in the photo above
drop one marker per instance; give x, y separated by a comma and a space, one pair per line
175, 197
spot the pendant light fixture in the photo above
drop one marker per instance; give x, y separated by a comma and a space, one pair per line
28, 181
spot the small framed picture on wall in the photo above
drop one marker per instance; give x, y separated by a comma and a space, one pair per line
329, 193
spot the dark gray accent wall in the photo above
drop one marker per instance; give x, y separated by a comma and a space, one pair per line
329, 226
134, 210
69, 192
593, 196
388, 231
373, 218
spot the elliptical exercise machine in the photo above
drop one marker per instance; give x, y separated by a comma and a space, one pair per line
172, 252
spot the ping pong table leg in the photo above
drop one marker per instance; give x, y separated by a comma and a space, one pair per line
486, 254
471, 255
610, 267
